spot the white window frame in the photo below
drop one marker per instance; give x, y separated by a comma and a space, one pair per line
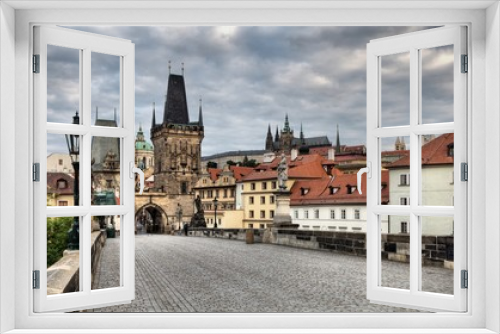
482, 316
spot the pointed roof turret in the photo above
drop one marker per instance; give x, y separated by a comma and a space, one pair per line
153, 120
200, 115
277, 136
176, 111
302, 138
287, 124
269, 139
338, 140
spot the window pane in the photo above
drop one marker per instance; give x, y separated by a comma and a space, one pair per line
437, 84
437, 169
105, 252
437, 254
63, 83
106, 171
63, 256
395, 89
105, 90
395, 171
395, 252
62, 181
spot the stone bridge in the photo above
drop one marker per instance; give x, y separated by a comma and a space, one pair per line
156, 212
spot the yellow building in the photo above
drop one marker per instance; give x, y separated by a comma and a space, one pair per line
221, 184
60, 189
259, 187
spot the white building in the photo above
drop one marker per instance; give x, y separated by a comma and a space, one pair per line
332, 203
59, 163
437, 186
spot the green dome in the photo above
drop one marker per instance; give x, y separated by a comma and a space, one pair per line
143, 145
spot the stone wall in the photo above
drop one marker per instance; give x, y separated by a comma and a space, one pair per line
64, 275
436, 250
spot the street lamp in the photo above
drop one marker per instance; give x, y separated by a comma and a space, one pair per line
73, 142
216, 202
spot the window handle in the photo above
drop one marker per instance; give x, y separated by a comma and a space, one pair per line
368, 171
133, 170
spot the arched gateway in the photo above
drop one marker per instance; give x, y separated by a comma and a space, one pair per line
151, 218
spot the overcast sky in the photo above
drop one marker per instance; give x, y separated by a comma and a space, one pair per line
249, 77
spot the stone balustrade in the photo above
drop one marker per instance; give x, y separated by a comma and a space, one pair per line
64, 275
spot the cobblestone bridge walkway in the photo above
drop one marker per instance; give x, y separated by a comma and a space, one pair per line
190, 274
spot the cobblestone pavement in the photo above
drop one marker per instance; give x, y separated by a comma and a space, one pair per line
190, 274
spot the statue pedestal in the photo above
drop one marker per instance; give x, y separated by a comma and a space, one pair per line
282, 218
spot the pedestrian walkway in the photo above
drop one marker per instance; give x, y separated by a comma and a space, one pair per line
190, 274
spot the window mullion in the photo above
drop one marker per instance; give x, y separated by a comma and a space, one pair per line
415, 89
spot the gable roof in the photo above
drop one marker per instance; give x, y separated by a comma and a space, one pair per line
240, 172
53, 178
319, 190
176, 111
434, 152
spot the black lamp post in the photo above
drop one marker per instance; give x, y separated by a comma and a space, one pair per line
216, 202
73, 142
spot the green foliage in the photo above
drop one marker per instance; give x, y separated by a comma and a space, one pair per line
211, 164
231, 163
57, 238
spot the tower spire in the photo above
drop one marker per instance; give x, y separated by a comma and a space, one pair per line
277, 135
169, 66
96, 113
302, 139
338, 140
153, 121
182, 69
200, 115
269, 139
287, 124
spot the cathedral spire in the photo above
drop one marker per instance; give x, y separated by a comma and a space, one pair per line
338, 140
200, 115
153, 121
277, 135
176, 110
269, 139
287, 124
302, 139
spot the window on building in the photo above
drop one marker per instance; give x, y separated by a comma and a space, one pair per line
304, 191
62, 203
62, 184
217, 193
273, 184
262, 214
60, 162
264, 185
404, 227
109, 183
296, 214
262, 199
225, 193
252, 186
332, 214
333, 190
342, 214
356, 214
184, 188
251, 214
404, 179
404, 201
451, 149
306, 214
272, 199
251, 200
262, 226
232, 193
316, 214
250, 225
271, 214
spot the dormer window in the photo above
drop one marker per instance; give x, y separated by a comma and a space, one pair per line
304, 191
451, 149
351, 189
62, 184
333, 190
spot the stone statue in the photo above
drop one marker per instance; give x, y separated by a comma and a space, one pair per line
198, 219
282, 173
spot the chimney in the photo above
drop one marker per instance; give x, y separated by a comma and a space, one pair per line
293, 154
331, 154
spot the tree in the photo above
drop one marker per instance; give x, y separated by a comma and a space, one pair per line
57, 238
231, 163
211, 164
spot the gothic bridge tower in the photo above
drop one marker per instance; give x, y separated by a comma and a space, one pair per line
177, 143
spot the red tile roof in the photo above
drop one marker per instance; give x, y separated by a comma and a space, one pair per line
214, 173
240, 172
318, 191
53, 178
434, 152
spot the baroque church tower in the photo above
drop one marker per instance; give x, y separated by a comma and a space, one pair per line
177, 142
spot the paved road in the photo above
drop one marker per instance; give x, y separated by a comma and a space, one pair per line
189, 274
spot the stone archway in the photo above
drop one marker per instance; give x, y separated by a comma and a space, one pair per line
151, 218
